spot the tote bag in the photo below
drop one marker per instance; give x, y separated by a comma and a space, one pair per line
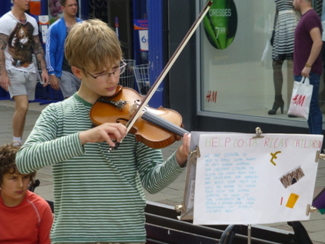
300, 98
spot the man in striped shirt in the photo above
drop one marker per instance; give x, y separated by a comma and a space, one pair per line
98, 194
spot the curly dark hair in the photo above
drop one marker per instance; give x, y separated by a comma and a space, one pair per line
8, 161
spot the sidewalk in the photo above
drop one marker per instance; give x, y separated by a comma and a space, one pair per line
171, 195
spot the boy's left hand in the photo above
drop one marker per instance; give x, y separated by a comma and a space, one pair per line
184, 150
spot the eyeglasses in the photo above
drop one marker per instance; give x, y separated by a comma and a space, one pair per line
120, 70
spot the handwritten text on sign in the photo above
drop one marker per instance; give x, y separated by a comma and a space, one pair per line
229, 178
246, 180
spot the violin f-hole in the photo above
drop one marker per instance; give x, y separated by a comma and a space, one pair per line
122, 121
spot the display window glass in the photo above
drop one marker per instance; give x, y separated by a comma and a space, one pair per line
237, 76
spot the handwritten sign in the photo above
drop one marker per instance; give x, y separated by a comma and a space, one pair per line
245, 180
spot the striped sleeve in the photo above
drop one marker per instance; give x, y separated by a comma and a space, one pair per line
42, 148
154, 173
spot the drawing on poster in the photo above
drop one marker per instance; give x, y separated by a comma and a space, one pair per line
292, 177
274, 156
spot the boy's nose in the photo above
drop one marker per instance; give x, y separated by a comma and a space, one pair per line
20, 183
111, 78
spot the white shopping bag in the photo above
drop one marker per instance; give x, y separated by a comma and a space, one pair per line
300, 98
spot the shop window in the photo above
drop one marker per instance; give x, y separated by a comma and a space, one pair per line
235, 52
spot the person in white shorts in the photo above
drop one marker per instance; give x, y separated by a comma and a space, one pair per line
18, 39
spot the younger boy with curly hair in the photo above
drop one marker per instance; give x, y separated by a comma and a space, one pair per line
24, 216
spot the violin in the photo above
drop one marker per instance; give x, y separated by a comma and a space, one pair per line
157, 128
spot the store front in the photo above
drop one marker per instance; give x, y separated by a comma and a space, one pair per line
223, 79
233, 80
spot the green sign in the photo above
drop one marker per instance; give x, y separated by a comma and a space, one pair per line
220, 23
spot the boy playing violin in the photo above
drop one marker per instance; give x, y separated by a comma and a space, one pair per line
98, 194
25, 217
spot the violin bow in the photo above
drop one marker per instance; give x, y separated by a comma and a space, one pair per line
168, 66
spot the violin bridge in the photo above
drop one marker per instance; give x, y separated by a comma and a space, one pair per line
133, 108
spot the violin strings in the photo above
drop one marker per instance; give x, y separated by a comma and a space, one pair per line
163, 123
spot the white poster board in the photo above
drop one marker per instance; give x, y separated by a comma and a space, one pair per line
245, 180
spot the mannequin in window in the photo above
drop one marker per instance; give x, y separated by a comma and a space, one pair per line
285, 24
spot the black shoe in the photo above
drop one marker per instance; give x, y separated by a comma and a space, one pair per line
278, 103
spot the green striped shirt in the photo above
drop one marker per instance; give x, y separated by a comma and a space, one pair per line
98, 194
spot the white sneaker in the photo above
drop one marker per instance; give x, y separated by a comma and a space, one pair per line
16, 143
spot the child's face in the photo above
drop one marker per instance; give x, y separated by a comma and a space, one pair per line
13, 188
101, 82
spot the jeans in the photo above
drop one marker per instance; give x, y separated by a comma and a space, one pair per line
315, 118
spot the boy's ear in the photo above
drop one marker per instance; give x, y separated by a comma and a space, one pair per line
77, 72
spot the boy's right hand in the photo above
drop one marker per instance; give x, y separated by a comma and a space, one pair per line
105, 132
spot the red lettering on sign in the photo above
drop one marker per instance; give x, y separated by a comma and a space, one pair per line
299, 99
212, 96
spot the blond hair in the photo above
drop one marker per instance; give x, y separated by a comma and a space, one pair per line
92, 43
